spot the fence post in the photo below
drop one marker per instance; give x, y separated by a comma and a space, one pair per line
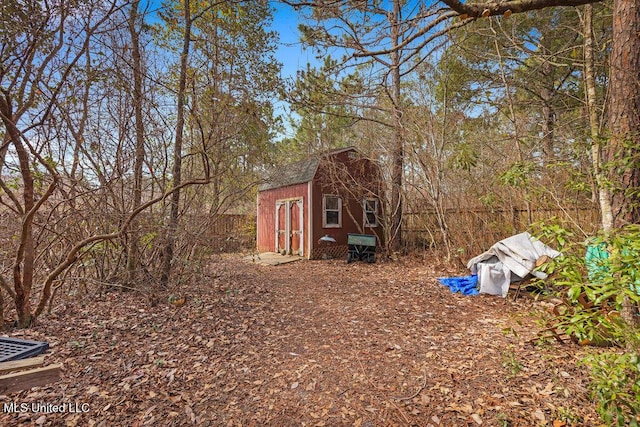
514, 219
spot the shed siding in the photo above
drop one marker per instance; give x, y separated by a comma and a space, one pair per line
266, 214
351, 209
367, 175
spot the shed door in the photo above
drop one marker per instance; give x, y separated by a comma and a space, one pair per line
281, 232
289, 226
295, 214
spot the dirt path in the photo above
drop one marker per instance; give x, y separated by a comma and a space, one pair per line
308, 343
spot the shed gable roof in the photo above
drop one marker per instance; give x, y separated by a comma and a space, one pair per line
298, 172
292, 174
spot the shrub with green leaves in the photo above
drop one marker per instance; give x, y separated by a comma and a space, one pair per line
599, 281
616, 387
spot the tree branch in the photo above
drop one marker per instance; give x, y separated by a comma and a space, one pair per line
407, 41
4, 285
73, 254
478, 10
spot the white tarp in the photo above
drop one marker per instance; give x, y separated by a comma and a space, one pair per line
509, 260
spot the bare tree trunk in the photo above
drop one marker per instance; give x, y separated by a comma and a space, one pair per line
623, 150
1, 309
439, 189
548, 115
177, 154
25, 256
134, 238
604, 195
398, 143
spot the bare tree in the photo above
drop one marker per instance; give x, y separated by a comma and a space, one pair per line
167, 256
604, 195
621, 155
138, 100
37, 60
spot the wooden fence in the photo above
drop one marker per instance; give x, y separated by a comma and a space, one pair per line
472, 231
227, 232
232, 224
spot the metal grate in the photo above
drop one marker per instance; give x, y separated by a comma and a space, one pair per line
16, 349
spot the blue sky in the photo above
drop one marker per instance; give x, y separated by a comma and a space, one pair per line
290, 53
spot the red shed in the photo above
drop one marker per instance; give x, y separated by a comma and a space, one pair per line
332, 194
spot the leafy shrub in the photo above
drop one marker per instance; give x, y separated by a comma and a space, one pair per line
599, 281
616, 387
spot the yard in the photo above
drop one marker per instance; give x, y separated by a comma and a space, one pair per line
307, 343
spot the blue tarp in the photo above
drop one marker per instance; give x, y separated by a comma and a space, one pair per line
466, 285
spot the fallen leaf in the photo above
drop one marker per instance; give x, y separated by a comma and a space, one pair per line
190, 414
539, 415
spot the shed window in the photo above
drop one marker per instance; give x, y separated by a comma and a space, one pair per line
370, 212
331, 211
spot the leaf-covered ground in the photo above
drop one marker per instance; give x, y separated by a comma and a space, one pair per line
317, 343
